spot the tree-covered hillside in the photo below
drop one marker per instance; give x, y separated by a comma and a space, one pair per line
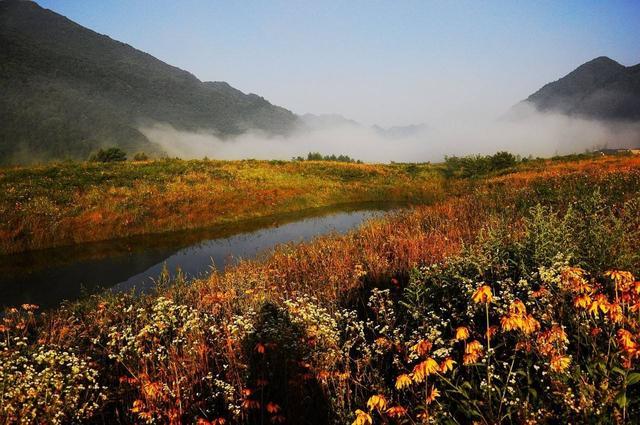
601, 89
66, 91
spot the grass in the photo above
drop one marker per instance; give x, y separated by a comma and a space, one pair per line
78, 202
69, 203
509, 300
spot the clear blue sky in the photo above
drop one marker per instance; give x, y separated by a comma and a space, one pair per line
385, 62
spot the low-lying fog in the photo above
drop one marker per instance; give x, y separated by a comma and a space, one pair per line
525, 132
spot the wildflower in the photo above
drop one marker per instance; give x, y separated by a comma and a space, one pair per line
152, 389
573, 279
447, 364
396, 411
517, 308
273, 408
491, 331
403, 381
599, 303
29, 307
260, 348
462, 333
472, 352
138, 406
482, 295
323, 375
424, 369
250, 404
530, 325
625, 341
621, 278
383, 343
582, 301
422, 347
377, 401
362, 418
615, 313
433, 394
541, 292
560, 363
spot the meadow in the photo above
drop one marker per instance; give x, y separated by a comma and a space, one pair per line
511, 298
73, 202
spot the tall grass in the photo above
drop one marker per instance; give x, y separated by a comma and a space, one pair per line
78, 202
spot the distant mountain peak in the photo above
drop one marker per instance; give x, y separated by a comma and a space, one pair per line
600, 89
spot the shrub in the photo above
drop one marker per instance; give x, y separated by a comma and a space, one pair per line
478, 165
109, 155
140, 156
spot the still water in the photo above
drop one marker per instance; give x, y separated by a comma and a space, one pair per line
48, 277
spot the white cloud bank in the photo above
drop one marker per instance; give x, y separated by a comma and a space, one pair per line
531, 133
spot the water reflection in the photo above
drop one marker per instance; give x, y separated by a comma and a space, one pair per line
49, 276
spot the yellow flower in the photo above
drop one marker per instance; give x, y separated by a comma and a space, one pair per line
462, 333
474, 345
396, 411
582, 301
625, 340
377, 401
615, 313
383, 342
433, 394
424, 369
599, 303
619, 276
403, 381
362, 418
518, 308
482, 295
472, 352
447, 364
509, 322
560, 363
422, 347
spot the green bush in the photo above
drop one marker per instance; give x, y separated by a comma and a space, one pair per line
109, 155
473, 166
140, 156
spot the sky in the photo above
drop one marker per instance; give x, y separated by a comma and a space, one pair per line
377, 62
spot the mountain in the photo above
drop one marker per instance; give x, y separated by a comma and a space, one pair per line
313, 122
402, 132
601, 89
65, 91
324, 121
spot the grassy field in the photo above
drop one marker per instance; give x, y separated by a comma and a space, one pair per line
510, 299
69, 203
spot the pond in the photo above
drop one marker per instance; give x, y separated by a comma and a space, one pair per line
47, 277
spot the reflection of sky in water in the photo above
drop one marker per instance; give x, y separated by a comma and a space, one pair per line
125, 269
198, 259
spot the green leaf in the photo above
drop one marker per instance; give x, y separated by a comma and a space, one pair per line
621, 399
533, 393
618, 370
633, 378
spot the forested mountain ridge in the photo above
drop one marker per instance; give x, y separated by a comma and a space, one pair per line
600, 89
67, 90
